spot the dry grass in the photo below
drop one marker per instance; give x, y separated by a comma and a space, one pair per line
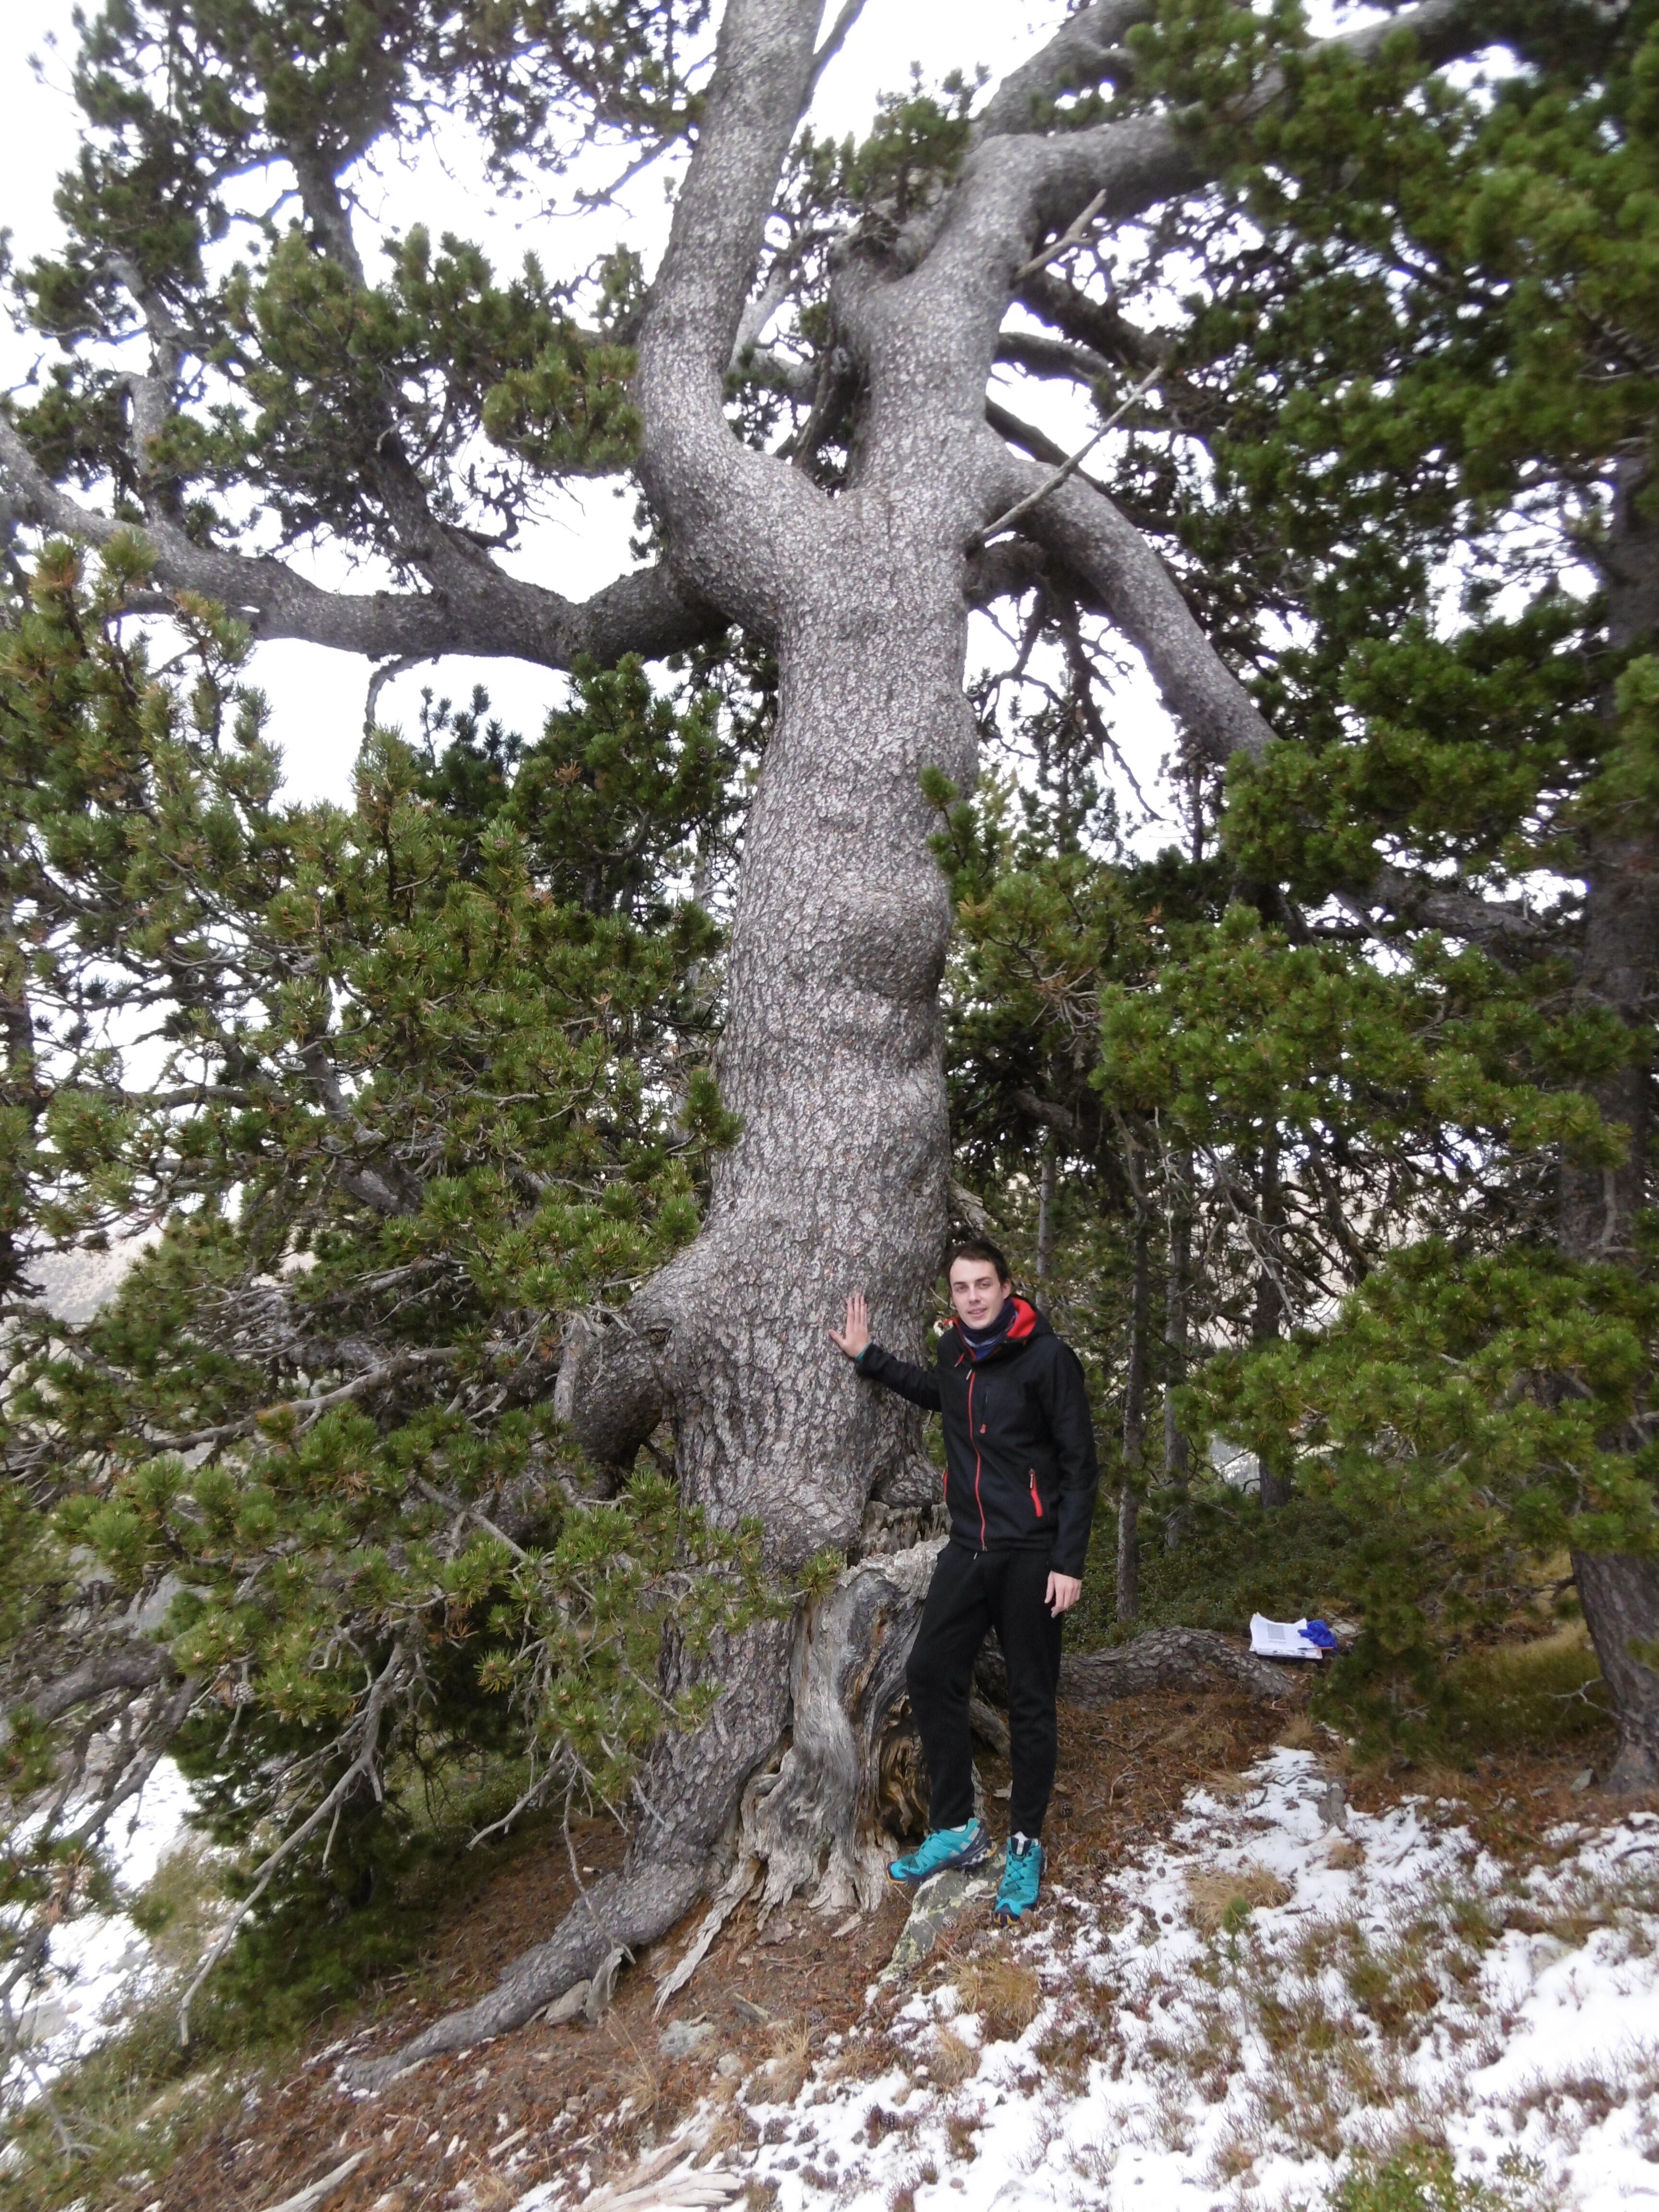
1223, 1782
493, 2192
1227, 1899
1004, 1993
1298, 1734
951, 2061
785, 2073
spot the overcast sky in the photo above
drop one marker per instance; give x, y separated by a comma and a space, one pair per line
317, 695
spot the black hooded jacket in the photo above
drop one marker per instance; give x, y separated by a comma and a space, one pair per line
1019, 1447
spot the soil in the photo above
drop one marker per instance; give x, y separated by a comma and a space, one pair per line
585, 2102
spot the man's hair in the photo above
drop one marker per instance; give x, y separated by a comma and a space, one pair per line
980, 1247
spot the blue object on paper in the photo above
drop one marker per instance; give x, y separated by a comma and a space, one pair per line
1319, 1632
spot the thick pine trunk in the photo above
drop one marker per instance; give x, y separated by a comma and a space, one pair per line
832, 1056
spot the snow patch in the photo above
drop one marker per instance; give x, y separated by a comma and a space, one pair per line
1233, 2018
99, 1964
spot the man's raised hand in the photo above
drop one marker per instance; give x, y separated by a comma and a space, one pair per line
853, 1334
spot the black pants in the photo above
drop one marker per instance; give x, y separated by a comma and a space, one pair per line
971, 1593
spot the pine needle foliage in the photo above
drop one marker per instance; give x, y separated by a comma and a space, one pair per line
387, 1089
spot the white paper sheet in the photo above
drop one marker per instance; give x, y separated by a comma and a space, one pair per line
1280, 1639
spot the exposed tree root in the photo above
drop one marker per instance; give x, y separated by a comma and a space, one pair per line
629, 1910
1162, 1659
780, 1818
689, 1789
814, 1822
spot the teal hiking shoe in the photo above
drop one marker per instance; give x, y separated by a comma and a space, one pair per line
1022, 1878
968, 1845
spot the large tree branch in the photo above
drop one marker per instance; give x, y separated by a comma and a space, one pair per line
1092, 325
1087, 47
1042, 356
1076, 522
742, 525
1078, 525
134, 1666
1428, 902
960, 261
650, 611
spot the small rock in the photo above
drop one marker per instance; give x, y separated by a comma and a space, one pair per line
728, 2065
1581, 1782
682, 2037
938, 1903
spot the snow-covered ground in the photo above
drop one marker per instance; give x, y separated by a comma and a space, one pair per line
1377, 1981
100, 1963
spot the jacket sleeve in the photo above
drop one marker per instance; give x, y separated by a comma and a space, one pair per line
1073, 1433
919, 1384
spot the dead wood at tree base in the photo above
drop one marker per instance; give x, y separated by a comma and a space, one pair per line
1162, 1659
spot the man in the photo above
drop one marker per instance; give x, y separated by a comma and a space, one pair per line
1019, 1485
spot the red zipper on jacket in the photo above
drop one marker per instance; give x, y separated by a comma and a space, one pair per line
1037, 1503
978, 1500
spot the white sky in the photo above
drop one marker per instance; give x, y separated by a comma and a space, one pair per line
317, 695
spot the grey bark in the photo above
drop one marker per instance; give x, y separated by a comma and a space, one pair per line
1159, 1659
1268, 1320
1045, 1236
1620, 1597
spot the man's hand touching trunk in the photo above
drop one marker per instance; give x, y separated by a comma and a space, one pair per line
852, 1337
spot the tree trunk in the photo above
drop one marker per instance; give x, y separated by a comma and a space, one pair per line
1134, 1425
1600, 1208
1045, 1236
1177, 1458
1620, 1597
1268, 1320
1160, 1659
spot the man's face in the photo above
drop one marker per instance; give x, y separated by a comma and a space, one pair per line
977, 1292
